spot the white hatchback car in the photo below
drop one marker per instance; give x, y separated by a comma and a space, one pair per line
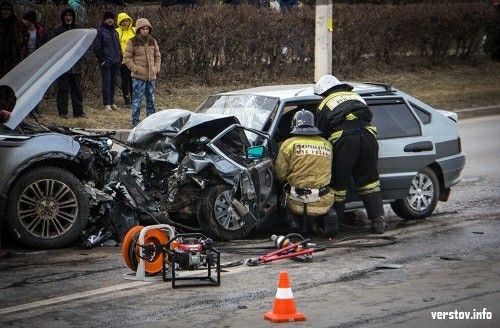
208, 157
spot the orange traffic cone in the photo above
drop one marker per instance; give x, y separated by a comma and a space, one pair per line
284, 306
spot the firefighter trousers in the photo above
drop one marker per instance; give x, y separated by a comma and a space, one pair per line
355, 155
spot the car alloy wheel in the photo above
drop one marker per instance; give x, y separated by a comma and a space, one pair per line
423, 196
216, 217
47, 208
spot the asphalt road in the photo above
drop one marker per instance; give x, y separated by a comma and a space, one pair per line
449, 262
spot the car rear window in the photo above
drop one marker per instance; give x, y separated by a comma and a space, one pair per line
394, 119
422, 114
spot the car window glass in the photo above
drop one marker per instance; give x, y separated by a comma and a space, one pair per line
423, 115
234, 144
284, 125
251, 110
394, 120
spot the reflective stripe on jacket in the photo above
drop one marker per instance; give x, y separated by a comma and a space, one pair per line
306, 162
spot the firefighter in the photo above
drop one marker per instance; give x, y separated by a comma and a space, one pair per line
346, 118
304, 167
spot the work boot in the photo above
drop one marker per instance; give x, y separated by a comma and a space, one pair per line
330, 224
378, 225
107, 108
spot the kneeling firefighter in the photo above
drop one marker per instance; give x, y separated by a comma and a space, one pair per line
304, 166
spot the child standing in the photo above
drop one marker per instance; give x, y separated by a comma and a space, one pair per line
142, 57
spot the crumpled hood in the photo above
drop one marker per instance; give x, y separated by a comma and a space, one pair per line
31, 78
174, 122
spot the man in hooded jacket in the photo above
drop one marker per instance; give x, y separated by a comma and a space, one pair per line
70, 82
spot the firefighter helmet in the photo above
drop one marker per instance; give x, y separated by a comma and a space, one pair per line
326, 82
303, 124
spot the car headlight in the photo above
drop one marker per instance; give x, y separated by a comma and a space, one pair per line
247, 187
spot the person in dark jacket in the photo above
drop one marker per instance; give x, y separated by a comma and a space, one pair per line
345, 117
39, 35
13, 38
492, 42
108, 53
70, 82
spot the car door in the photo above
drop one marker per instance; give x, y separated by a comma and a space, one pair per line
404, 147
254, 187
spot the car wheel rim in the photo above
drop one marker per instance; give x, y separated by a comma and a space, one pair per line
223, 212
421, 193
47, 208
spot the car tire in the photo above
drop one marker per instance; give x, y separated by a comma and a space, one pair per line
423, 197
47, 208
215, 215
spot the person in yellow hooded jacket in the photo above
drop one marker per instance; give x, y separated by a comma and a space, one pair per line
304, 165
126, 31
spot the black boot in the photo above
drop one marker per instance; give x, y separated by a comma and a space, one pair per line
378, 225
331, 224
127, 101
293, 223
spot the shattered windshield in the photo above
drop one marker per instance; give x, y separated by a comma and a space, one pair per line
251, 110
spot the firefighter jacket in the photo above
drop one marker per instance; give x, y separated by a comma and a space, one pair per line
341, 111
304, 163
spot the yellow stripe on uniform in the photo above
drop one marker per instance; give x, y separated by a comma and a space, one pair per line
369, 188
335, 136
337, 98
339, 195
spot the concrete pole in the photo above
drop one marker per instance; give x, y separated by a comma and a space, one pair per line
323, 39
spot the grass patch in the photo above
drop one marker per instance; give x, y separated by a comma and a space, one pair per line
452, 87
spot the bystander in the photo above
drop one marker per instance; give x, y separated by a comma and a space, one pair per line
108, 54
70, 82
13, 38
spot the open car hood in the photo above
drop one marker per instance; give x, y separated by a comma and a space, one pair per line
31, 78
174, 122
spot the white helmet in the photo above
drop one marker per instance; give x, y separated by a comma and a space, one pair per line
325, 83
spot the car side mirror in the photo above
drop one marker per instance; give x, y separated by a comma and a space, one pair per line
255, 152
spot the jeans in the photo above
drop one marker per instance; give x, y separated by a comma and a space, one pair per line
141, 87
109, 74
